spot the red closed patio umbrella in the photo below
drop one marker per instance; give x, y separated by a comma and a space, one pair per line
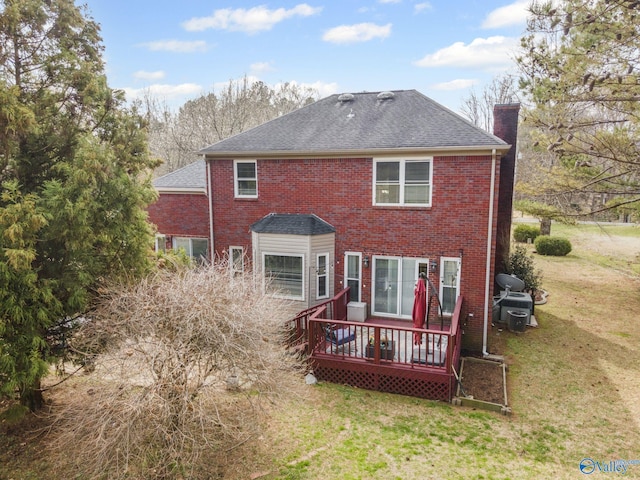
419, 309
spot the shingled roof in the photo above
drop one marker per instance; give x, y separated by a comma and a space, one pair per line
292, 224
189, 178
402, 120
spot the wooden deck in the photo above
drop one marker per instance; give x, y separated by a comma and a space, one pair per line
382, 354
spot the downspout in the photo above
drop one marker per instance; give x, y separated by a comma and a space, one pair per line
487, 288
210, 194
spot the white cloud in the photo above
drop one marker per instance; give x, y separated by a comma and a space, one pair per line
252, 20
219, 86
323, 89
390, 1
458, 84
164, 91
142, 75
176, 46
260, 67
489, 52
509, 15
360, 32
421, 7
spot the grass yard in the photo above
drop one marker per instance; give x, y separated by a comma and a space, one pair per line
572, 384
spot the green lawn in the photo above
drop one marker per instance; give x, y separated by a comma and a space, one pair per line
572, 383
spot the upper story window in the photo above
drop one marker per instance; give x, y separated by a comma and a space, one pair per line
402, 182
245, 175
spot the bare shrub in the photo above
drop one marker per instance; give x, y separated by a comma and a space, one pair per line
186, 360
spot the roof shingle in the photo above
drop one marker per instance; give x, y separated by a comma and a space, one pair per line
367, 121
292, 224
192, 176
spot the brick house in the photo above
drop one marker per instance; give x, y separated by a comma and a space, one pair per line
365, 190
181, 213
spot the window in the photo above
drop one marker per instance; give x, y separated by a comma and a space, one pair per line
161, 243
245, 173
322, 278
402, 182
195, 248
236, 260
394, 282
284, 274
449, 283
352, 275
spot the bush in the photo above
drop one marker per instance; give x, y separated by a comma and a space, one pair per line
522, 233
187, 359
520, 264
554, 246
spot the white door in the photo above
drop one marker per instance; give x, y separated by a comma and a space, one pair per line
449, 283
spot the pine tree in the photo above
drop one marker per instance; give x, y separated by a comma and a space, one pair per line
581, 69
74, 169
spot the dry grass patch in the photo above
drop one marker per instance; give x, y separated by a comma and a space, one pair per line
572, 386
183, 362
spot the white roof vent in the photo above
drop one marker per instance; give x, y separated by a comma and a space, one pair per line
386, 95
346, 97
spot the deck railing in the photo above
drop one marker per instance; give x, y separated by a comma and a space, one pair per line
386, 357
391, 345
298, 327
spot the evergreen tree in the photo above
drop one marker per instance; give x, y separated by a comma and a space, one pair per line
581, 69
74, 169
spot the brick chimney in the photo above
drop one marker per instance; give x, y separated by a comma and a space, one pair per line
505, 126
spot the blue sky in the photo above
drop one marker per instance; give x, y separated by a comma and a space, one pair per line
179, 49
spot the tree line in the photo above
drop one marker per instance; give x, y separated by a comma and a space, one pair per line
77, 160
176, 137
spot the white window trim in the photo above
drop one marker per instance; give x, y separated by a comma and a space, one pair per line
189, 253
161, 241
280, 254
419, 260
232, 264
403, 161
441, 280
236, 179
346, 267
325, 275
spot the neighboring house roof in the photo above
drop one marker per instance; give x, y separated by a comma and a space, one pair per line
292, 224
191, 178
403, 120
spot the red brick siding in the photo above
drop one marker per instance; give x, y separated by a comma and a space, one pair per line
340, 192
181, 215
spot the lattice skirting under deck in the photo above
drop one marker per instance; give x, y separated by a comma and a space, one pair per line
411, 383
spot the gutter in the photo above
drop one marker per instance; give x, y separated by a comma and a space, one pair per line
210, 194
487, 287
346, 153
182, 190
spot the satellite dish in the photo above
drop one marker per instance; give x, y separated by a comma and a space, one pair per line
509, 282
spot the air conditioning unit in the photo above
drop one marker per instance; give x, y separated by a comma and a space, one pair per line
518, 302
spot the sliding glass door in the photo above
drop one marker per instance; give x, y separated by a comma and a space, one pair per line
394, 282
